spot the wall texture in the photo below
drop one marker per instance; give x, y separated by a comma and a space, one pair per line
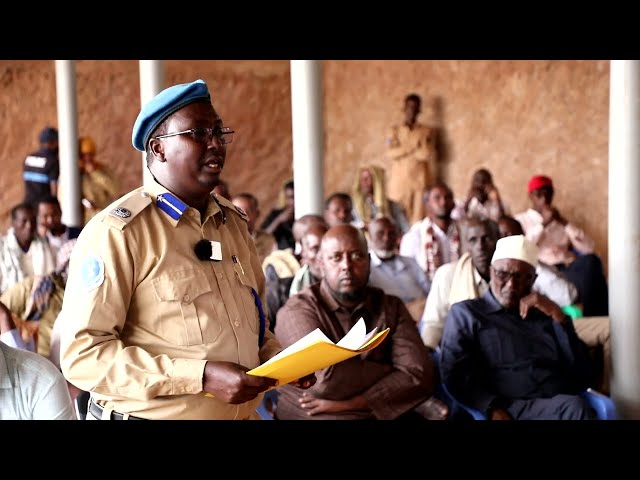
516, 118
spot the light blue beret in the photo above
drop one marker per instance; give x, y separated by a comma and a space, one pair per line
164, 104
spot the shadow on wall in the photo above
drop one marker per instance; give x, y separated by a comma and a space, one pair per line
436, 118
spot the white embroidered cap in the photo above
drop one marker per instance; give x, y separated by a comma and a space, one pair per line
516, 247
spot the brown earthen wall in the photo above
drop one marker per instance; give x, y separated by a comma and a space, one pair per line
516, 118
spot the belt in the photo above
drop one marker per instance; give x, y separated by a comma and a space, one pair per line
96, 411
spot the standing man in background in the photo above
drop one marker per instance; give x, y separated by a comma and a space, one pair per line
411, 150
41, 169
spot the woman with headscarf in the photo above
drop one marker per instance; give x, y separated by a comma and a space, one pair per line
370, 200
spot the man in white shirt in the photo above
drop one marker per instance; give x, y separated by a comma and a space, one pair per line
434, 241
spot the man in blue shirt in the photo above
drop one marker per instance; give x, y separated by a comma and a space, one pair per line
512, 353
41, 169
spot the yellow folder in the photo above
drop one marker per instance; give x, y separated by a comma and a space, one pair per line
315, 352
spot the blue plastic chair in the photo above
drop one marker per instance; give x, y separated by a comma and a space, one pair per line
603, 405
268, 405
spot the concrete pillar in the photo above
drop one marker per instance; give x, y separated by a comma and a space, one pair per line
624, 234
69, 187
151, 83
308, 136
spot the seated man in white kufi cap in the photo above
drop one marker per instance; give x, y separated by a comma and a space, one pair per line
512, 353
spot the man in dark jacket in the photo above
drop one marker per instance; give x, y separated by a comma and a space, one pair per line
513, 353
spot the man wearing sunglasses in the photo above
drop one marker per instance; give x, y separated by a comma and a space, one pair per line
163, 316
513, 353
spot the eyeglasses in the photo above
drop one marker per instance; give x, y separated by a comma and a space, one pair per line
503, 276
205, 134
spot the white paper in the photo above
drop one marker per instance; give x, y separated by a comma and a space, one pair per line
353, 340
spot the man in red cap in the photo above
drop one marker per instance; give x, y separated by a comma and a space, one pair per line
565, 245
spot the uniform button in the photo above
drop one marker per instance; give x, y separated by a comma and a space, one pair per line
187, 389
186, 298
219, 274
236, 323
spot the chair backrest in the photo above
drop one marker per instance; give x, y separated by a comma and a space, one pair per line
603, 405
267, 408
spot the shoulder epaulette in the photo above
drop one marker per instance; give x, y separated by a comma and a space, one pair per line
228, 204
125, 211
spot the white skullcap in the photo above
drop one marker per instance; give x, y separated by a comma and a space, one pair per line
516, 247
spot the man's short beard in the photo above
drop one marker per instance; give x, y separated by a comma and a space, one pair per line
349, 297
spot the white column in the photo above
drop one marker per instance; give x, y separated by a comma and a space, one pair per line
624, 234
69, 189
308, 135
151, 83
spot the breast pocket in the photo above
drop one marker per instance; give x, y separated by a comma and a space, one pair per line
186, 295
247, 286
498, 349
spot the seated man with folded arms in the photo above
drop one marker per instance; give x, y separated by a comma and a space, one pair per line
388, 382
393, 273
566, 246
512, 352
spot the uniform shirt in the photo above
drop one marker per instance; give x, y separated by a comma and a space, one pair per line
39, 170
549, 282
32, 388
394, 377
489, 353
142, 314
412, 159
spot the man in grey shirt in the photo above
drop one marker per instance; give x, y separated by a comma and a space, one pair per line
395, 274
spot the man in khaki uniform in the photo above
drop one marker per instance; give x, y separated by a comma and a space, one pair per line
164, 304
411, 149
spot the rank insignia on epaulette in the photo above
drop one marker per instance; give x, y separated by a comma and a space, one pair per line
121, 212
171, 205
128, 208
241, 212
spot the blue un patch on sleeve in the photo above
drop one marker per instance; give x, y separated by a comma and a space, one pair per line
92, 272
